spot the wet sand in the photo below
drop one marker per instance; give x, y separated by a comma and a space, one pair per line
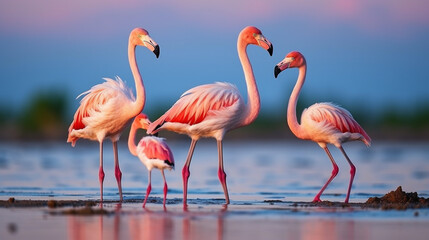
397, 199
396, 215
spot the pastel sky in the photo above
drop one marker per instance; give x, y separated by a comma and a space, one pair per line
360, 53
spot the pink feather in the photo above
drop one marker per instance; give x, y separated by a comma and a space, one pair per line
198, 103
333, 116
155, 148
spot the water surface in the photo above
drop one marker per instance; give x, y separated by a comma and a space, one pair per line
256, 171
265, 180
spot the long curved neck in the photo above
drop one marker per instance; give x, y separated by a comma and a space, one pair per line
131, 143
292, 121
140, 91
253, 101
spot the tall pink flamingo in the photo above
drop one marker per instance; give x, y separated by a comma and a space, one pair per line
107, 108
213, 109
322, 123
152, 151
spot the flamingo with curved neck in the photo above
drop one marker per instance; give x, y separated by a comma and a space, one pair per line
213, 109
152, 151
106, 108
322, 123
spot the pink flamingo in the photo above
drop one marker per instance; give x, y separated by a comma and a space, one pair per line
108, 107
213, 109
152, 151
322, 123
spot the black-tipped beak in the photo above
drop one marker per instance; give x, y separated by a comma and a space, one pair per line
277, 71
270, 50
156, 51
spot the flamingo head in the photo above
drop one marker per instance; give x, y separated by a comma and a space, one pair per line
292, 60
142, 121
141, 37
252, 35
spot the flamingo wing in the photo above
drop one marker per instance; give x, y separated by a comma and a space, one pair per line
156, 148
95, 101
199, 103
333, 117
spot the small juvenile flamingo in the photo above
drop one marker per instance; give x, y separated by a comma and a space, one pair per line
152, 151
322, 123
211, 110
107, 108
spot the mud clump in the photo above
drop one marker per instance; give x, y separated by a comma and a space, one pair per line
398, 200
85, 211
12, 202
52, 204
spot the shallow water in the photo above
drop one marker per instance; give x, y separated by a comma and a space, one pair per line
256, 171
265, 179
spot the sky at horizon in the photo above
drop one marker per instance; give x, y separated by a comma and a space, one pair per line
369, 53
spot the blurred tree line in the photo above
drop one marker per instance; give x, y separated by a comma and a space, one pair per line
43, 117
47, 115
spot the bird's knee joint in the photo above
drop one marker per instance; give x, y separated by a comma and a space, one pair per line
353, 170
221, 174
101, 174
335, 171
118, 173
185, 172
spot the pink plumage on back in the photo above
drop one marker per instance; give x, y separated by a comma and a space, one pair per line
212, 110
324, 123
155, 148
335, 116
107, 108
198, 103
95, 100
152, 151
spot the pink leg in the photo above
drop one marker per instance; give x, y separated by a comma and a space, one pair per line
333, 174
118, 173
149, 188
352, 174
101, 172
165, 187
186, 173
221, 173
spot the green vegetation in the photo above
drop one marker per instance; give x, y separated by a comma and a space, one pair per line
48, 114
43, 117
417, 119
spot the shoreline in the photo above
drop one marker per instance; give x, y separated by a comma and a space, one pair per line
394, 200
